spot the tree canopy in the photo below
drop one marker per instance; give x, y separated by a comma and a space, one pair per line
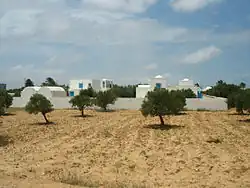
28, 83
49, 82
161, 102
5, 101
39, 104
81, 101
104, 98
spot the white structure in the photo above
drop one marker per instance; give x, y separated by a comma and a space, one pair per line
28, 92
75, 86
186, 83
207, 88
142, 90
158, 82
50, 92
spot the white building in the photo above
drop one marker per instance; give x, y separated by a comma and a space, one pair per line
28, 92
75, 86
161, 82
50, 92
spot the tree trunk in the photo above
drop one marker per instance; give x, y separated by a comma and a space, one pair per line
162, 121
44, 115
82, 112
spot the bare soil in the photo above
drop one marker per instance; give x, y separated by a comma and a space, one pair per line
123, 149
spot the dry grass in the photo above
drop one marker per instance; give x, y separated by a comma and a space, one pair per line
122, 149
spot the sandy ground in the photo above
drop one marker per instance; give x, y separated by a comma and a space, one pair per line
123, 149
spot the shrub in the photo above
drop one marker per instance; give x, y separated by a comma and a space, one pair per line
104, 98
81, 101
242, 101
5, 101
161, 102
188, 93
39, 104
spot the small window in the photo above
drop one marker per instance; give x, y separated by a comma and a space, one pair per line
89, 85
158, 85
81, 85
71, 93
103, 84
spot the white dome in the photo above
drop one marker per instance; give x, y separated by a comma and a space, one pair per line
185, 80
50, 92
28, 92
158, 76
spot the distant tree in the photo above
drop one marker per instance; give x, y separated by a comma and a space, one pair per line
5, 101
242, 85
222, 89
28, 83
243, 101
104, 98
17, 91
49, 82
39, 104
81, 101
128, 91
161, 102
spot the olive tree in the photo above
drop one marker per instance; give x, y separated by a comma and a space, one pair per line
161, 102
104, 98
5, 101
39, 104
81, 101
242, 101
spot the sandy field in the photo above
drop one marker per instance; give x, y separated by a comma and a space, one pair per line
124, 149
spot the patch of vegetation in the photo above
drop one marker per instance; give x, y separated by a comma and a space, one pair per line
161, 102
81, 101
5, 101
39, 104
104, 98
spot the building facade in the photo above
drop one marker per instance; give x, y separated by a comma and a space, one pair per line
75, 86
3, 86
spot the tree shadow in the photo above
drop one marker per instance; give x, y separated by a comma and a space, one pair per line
162, 127
181, 114
80, 116
245, 120
9, 114
237, 114
44, 123
5, 140
102, 110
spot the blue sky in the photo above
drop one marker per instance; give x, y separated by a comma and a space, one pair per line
126, 40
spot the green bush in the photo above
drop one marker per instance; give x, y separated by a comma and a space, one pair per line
104, 98
5, 101
161, 102
81, 101
188, 93
39, 104
242, 101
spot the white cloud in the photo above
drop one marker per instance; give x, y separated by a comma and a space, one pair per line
191, 5
152, 66
202, 55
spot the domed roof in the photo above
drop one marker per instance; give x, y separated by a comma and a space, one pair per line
159, 76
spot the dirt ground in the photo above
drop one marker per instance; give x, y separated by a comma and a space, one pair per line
123, 149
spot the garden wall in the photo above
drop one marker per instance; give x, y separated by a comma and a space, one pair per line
135, 103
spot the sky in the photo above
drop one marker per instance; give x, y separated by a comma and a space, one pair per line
129, 41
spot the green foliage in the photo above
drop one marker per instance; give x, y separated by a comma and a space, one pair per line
28, 83
89, 92
5, 101
104, 98
49, 82
242, 101
188, 93
17, 91
222, 89
81, 101
39, 104
125, 91
161, 102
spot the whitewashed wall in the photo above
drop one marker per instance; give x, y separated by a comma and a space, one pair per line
135, 103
